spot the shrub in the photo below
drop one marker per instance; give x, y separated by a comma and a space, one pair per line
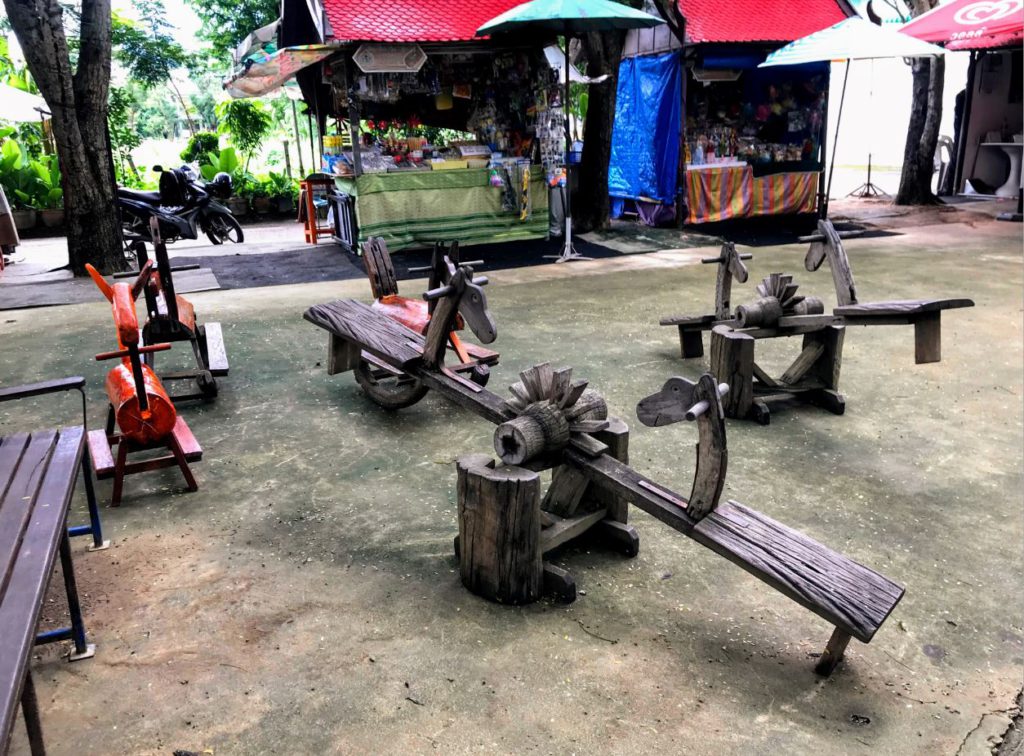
200, 145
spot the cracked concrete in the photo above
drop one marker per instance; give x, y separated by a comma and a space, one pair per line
306, 599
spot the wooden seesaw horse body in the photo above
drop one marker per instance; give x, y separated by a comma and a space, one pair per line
508, 528
457, 299
780, 312
140, 410
172, 317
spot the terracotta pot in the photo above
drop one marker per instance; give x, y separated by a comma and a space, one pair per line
261, 204
24, 219
238, 206
53, 217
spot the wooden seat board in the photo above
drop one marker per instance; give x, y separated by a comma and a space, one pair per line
901, 307
216, 355
379, 335
189, 446
99, 451
841, 591
688, 320
53, 472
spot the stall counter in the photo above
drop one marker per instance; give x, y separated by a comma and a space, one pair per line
716, 193
418, 208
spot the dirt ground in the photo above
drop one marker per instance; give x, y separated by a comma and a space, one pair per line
306, 598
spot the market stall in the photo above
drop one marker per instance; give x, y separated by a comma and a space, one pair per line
428, 132
703, 135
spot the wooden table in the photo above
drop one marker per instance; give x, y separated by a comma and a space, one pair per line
38, 472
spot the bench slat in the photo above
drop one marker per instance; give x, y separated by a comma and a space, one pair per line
19, 498
379, 335
25, 587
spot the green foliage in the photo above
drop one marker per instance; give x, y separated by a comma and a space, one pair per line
28, 182
200, 145
226, 161
279, 185
146, 48
225, 23
246, 122
124, 137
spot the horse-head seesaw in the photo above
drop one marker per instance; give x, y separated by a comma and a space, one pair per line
424, 329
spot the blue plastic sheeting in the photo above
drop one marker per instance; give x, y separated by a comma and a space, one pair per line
645, 142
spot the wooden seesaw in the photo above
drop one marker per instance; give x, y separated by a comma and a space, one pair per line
780, 312
140, 409
172, 317
551, 421
455, 298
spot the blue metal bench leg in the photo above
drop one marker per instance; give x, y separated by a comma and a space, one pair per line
30, 710
95, 527
76, 632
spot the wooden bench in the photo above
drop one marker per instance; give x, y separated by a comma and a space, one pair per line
38, 472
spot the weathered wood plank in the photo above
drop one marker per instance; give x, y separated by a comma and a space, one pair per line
216, 354
901, 307
381, 336
803, 363
834, 587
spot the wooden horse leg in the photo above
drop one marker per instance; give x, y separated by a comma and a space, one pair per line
122, 460
179, 457
833, 652
691, 343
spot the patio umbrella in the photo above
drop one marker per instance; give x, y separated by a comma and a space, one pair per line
969, 24
850, 39
568, 18
22, 106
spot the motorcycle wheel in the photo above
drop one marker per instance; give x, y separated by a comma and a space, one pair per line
221, 228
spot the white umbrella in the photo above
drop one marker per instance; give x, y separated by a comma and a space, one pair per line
21, 106
851, 39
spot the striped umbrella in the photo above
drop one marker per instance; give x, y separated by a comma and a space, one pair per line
851, 39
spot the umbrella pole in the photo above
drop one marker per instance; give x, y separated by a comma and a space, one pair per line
835, 140
568, 251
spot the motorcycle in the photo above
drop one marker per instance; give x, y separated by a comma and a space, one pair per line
183, 206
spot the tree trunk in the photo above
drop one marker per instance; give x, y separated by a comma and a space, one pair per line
591, 204
923, 130
78, 102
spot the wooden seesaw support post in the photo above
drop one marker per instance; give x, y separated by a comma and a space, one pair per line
553, 422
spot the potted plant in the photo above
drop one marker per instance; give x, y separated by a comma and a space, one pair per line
226, 161
50, 197
21, 185
283, 192
261, 196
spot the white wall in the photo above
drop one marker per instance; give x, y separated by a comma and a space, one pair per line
878, 123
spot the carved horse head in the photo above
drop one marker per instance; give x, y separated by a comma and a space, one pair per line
730, 266
466, 295
682, 399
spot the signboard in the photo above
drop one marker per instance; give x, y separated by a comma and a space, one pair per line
375, 58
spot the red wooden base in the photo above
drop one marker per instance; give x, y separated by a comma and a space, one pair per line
180, 442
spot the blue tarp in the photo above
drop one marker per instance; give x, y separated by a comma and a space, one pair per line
645, 142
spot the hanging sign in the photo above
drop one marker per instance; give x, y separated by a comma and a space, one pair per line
390, 58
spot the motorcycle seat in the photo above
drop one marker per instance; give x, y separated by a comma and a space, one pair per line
148, 197
412, 313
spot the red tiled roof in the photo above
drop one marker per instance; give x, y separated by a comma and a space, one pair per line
411, 20
757, 20
458, 20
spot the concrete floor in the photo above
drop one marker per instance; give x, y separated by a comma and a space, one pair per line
306, 599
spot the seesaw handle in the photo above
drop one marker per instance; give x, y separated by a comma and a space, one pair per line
127, 352
701, 407
720, 259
